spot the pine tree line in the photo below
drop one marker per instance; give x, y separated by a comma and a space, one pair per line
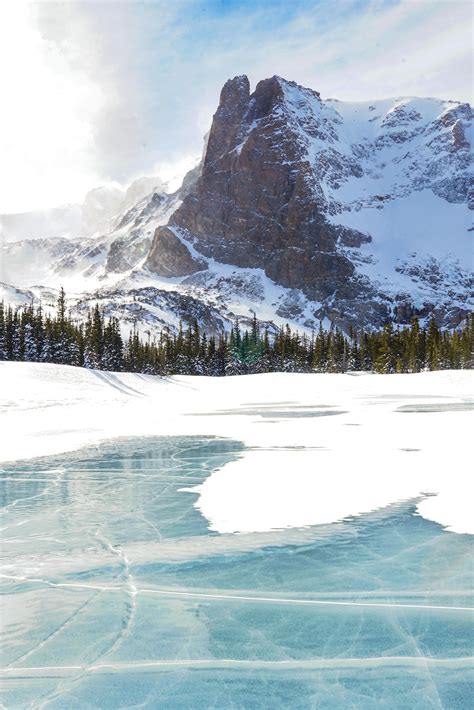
28, 334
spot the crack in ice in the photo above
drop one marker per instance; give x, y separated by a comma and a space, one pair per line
239, 597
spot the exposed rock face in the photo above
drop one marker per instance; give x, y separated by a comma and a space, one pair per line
170, 257
301, 210
254, 204
228, 120
139, 224
285, 177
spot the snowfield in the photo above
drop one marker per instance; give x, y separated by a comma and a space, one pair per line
319, 447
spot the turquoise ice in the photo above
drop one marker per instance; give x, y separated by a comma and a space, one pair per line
117, 595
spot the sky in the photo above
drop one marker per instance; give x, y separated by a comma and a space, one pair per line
97, 93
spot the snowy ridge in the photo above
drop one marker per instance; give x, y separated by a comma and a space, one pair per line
396, 173
95, 214
398, 170
85, 264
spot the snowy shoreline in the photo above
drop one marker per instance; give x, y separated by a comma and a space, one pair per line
319, 447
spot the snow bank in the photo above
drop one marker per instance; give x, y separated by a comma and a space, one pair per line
320, 448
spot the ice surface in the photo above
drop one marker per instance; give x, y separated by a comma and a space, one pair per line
125, 581
117, 593
378, 449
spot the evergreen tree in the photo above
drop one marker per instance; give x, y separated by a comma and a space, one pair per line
27, 334
384, 358
433, 346
3, 333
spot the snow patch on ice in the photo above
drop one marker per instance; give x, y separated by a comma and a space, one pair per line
296, 471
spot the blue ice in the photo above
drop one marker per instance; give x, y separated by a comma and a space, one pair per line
117, 595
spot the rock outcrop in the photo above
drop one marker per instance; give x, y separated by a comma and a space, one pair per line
284, 180
170, 257
254, 204
301, 211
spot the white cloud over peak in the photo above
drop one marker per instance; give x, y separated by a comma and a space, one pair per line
97, 92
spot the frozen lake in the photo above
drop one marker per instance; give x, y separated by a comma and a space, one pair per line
120, 593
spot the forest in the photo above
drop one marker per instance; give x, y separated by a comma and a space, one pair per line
28, 334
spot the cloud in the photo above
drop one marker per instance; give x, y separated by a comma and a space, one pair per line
46, 121
106, 91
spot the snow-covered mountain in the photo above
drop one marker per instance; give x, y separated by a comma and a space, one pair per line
94, 214
301, 210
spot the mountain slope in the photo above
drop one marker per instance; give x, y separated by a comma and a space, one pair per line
357, 205
301, 210
95, 214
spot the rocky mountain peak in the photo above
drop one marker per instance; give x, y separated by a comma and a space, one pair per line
234, 90
268, 93
254, 204
296, 187
301, 210
227, 121
276, 92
